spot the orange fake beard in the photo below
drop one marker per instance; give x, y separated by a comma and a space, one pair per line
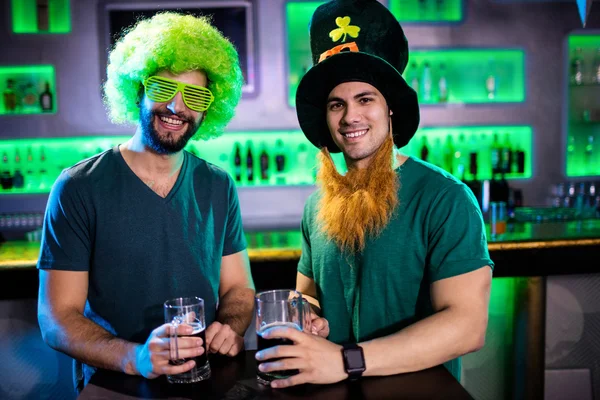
359, 204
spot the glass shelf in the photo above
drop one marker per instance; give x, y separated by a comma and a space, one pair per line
41, 16
452, 149
583, 105
27, 89
40, 161
427, 11
467, 76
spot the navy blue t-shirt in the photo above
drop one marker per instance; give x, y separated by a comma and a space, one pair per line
141, 249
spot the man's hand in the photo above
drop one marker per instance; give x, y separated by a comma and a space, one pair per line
319, 360
152, 358
220, 338
319, 326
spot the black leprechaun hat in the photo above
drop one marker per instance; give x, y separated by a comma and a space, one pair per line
356, 40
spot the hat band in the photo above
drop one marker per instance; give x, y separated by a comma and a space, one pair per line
352, 46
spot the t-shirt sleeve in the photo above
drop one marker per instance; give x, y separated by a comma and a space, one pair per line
457, 241
66, 237
305, 263
235, 240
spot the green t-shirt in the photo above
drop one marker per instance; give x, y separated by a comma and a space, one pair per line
436, 232
141, 249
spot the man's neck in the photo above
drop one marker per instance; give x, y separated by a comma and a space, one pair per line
398, 160
141, 158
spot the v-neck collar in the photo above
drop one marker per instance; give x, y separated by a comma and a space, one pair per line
173, 190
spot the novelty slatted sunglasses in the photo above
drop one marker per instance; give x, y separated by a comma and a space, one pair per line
161, 89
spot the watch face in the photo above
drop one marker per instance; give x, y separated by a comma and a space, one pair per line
354, 358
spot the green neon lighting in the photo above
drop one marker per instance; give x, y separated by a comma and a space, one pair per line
29, 83
40, 161
427, 10
472, 75
583, 123
25, 16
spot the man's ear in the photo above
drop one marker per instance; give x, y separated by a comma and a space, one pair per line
391, 113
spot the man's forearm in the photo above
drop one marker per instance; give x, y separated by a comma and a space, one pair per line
235, 309
432, 341
86, 341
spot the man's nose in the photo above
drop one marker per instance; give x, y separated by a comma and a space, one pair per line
351, 115
176, 104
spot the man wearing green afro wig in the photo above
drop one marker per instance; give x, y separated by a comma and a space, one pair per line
147, 222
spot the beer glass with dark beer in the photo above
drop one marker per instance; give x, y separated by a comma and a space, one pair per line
188, 311
276, 308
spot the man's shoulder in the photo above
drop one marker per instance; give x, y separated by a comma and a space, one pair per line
202, 167
431, 180
96, 167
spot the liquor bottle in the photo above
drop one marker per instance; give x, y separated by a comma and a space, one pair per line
29, 154
46, 99
17, 158
237, 163
495, 155
30, 99
264, 165
520, 156
10, 96
460, 157
589, 154
302, 167
42, 15
473, 158
18, 179
426, 81
443, 85
449, 151
424, 149
413, 77
249, 162
577, 68
596, 68
490, 81
437, 158
279, 162
506, 156
571, 148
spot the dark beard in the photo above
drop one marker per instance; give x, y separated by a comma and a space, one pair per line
167, 145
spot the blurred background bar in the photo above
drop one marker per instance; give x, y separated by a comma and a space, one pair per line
510, 104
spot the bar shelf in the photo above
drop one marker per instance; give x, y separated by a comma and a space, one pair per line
27, 89
41, 16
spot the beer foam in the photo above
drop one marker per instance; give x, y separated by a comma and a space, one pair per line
278, 324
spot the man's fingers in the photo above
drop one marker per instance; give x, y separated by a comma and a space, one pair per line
284, 332
285, 351
291, 381
165, 330
282, 365
211, 331
168, 369
218, 341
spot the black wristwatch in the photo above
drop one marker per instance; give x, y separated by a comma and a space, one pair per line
354, 361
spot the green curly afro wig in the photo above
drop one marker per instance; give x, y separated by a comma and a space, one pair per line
177, 43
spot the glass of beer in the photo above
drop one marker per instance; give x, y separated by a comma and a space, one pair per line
277, 308
187, 311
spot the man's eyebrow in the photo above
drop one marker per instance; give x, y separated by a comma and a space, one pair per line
356, 97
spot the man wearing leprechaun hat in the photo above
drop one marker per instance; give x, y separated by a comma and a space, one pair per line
394, 253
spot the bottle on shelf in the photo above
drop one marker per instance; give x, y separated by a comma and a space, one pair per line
577, 72
460, 157
29, 155
30, 99
496, 156
449, 151
249, 162
302, 168
10, 96
473, 158
264, 165
237, 163
18, 179
413, 77
506, 156
520, 156
490, 80
442, 85
426, 81
43, 20
596, 68
424, 152
589, 157
46, 99
279, 162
